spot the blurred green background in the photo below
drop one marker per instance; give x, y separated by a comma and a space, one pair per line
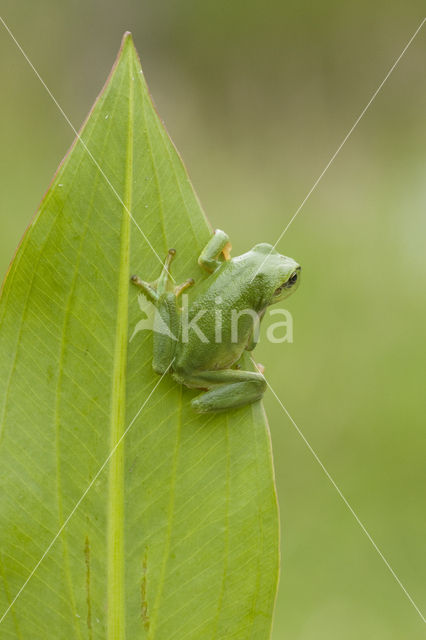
257, 97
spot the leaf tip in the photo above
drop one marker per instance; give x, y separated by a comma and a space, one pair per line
127, 47
126, 40
127, 36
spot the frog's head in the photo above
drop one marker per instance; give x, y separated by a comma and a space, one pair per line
278, 275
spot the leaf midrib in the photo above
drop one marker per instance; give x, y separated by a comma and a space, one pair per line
115, 589
58, 394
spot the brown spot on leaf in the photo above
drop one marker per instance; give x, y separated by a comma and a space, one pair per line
144, 603
88, 598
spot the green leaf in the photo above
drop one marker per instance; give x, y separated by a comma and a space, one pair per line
177, 538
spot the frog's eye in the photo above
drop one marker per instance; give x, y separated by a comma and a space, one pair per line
287, 284
292, 279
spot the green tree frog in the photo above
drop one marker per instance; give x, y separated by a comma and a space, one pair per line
205, 339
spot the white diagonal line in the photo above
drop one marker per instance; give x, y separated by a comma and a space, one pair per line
343, 141
342, 496
95, 162
80, 500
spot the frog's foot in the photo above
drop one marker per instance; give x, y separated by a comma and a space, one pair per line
153, 290
146, 288
225, 389
163, 282
260, 367
180, 288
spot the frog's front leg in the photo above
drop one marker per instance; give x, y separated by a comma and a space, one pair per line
254, 337
167, 325
225, 389
218, 243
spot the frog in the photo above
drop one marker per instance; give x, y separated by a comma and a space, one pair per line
222, 318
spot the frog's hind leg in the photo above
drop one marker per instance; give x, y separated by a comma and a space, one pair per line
225, 389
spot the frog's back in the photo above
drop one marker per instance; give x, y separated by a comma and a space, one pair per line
221, 313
